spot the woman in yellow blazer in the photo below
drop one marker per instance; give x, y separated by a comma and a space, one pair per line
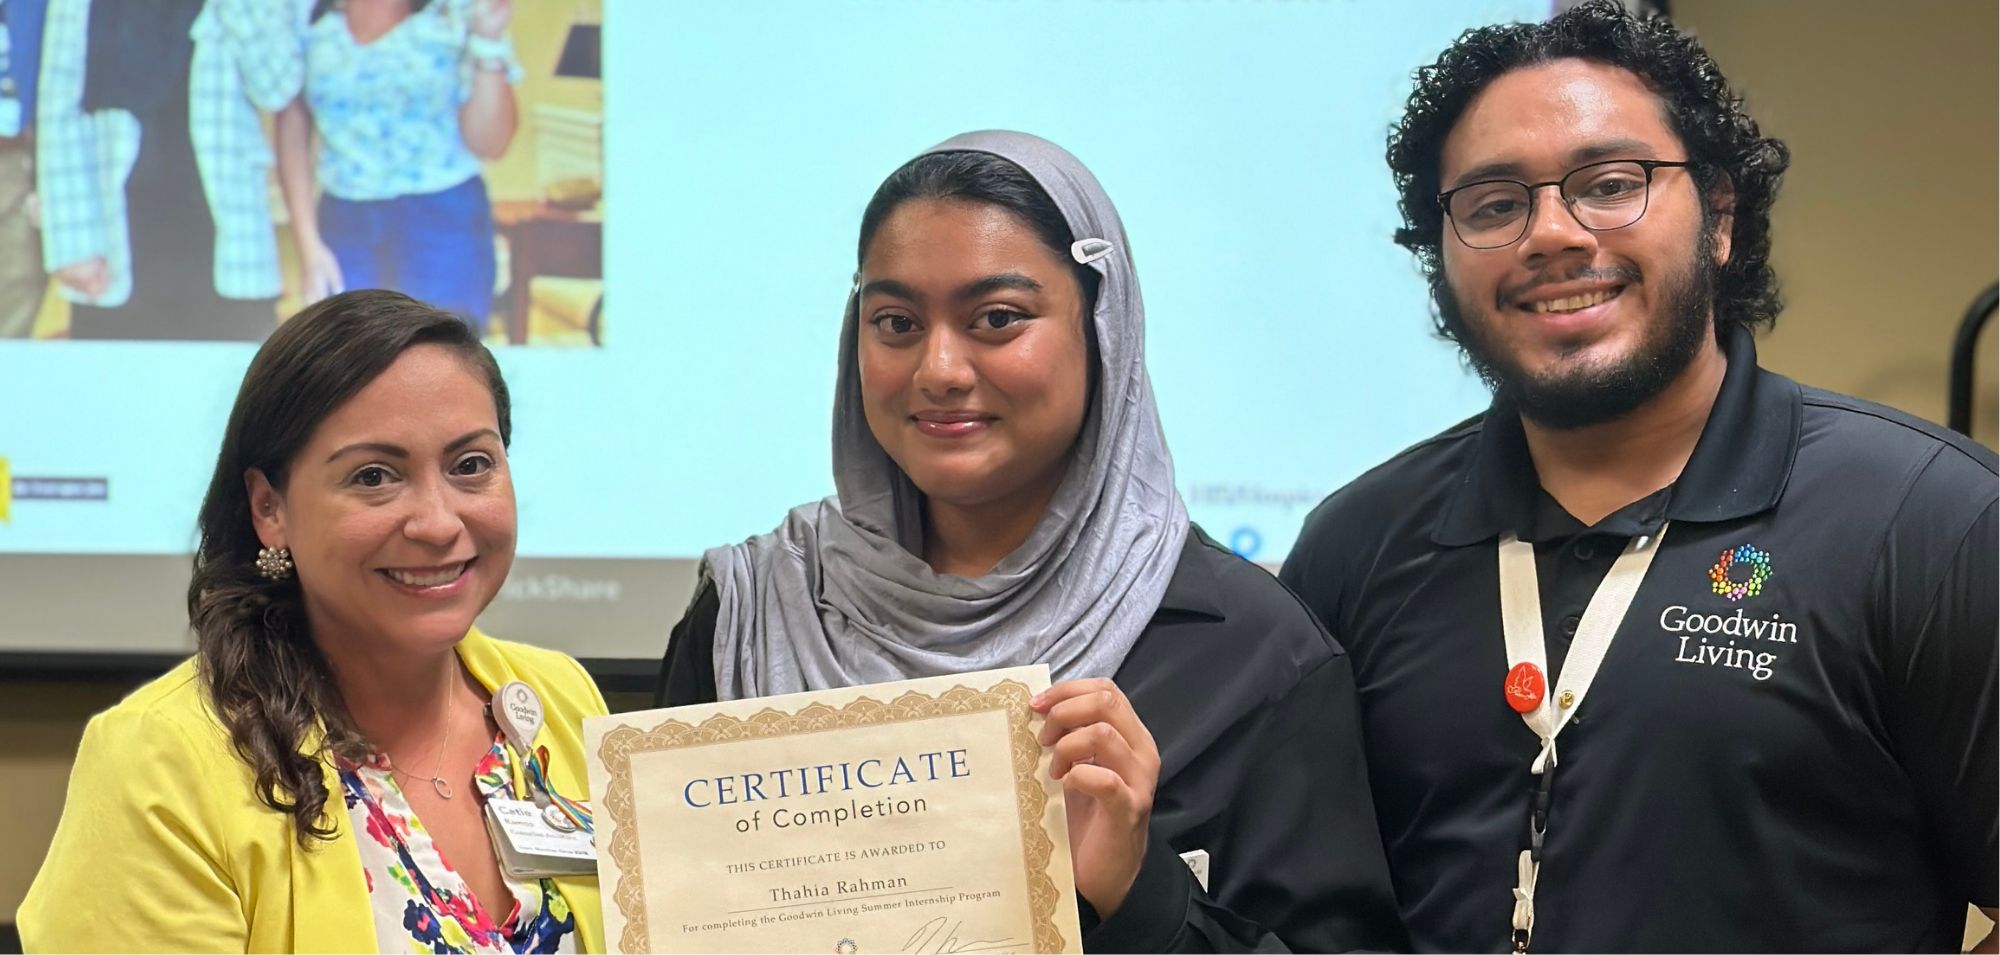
318, 777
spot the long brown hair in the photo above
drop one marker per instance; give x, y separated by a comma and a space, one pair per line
262, 672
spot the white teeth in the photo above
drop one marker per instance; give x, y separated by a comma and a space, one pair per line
445, 576
1575, 302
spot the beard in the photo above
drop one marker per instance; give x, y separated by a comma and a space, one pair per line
1570, 398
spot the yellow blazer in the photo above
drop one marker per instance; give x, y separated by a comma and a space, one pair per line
163, 846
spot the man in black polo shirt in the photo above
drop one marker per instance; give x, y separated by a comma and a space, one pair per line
1664, 652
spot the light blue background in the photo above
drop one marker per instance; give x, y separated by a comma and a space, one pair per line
1288, 338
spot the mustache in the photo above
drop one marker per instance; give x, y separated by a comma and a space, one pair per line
1621, 275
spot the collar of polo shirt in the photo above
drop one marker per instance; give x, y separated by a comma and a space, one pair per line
1738, 468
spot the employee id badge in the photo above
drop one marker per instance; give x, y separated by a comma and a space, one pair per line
530, 848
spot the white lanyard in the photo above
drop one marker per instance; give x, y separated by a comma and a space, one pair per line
1527, 660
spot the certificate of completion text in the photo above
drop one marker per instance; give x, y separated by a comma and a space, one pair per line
901, 817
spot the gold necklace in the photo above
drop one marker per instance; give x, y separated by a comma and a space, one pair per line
438, 783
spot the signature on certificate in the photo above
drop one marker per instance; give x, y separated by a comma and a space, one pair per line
939, 936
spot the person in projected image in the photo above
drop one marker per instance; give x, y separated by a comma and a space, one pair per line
403, 101
1005, 497
152, 167
315, 777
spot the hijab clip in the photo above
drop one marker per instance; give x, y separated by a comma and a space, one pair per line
1086, 251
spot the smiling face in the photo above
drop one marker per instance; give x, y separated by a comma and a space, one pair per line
1579, 326
399, 512
974, 361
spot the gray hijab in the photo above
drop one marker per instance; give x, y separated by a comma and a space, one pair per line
839, 595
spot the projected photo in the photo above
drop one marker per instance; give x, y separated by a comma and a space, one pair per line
203, 168
745, 142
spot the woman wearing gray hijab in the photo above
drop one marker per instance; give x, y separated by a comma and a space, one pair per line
1005, 497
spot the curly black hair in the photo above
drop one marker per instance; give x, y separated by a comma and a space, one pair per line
1721, 138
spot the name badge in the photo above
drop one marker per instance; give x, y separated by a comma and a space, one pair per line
530, 848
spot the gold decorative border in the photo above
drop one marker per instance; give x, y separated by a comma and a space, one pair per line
1009, 696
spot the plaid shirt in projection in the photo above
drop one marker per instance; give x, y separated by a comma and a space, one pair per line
247, 56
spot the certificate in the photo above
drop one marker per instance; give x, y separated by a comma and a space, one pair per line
902, 817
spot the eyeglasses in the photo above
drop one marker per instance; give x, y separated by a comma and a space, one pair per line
1494, 213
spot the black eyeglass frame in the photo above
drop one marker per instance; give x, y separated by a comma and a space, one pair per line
1569, 202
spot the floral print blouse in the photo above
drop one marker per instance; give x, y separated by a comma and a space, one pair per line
387, 110
421, 903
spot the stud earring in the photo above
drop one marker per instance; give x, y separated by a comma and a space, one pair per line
275, 563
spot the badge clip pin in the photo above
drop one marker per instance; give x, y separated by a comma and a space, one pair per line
518, 710
1526, 687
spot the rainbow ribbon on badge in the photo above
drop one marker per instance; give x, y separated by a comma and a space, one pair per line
577, 812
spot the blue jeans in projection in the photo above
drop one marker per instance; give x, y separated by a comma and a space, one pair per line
436, 247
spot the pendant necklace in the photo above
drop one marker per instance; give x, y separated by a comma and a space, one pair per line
438, 783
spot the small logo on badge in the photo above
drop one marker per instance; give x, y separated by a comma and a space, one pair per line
846, 946
1723, 580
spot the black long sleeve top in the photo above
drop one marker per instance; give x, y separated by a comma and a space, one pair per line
1253, 708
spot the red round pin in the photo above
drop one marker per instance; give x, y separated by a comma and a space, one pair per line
1525, 687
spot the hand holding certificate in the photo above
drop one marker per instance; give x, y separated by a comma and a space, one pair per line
914, 816
1107, 760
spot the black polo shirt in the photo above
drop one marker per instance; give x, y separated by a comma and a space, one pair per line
1803, 765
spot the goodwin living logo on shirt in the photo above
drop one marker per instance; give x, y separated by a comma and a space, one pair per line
1741, 573
1722, 577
